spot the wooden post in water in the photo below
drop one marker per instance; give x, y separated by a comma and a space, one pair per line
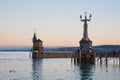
75, 57
78, 56
101, 59
106, 59
119, 58
114, 56
72, 56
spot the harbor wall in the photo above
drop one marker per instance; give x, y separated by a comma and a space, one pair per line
50, 54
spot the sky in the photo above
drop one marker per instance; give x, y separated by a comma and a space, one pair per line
58, 22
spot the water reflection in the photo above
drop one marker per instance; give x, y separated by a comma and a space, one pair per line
37, 69
55, 69
86, 70
63, 69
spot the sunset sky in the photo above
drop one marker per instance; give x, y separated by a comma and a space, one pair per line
57, 21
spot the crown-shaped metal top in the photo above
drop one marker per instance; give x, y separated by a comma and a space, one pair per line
85, 20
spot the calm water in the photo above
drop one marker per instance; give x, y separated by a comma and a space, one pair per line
18, 66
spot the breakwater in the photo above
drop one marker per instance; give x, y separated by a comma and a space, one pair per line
54, 54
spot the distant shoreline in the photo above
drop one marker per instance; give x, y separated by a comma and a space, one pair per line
74, 48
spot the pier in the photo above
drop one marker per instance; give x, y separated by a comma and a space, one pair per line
54, 54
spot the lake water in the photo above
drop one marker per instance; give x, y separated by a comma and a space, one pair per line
18, 66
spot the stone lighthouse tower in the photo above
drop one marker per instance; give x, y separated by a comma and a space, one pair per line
86, 51
37, 46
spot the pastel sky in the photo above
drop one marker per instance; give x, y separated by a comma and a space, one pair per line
57, 21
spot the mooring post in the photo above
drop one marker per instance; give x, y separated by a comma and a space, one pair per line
119, 58
114, 56
100, 59
72, 56
30, 54
75, 57
106, 59
78, 56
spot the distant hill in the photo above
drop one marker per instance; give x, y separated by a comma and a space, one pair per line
106, 47
29, 48
15, 48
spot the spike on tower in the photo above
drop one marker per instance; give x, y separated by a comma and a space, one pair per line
86, 51
37, 46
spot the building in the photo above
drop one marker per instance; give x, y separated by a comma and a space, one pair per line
37, 45
86, 51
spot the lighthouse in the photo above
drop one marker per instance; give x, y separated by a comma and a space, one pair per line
37, 46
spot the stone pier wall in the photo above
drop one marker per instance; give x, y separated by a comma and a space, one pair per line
56, 54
